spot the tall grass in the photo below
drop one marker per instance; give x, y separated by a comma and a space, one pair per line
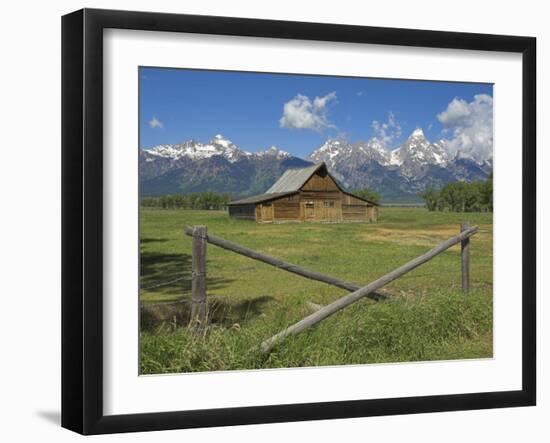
426, 318
440, 326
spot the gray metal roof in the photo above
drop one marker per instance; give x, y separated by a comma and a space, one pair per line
260, 198
293, 179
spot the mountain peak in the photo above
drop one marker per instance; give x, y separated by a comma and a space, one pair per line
331, 143
417, 133
417, 152
221, 141
331, 151
338, 153
273, 151
195, 150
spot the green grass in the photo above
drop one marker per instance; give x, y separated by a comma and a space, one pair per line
428, 318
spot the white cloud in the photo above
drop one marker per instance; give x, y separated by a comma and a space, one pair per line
387, 132
155, 123
303, 113
471, 126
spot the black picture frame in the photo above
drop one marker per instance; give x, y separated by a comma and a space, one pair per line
82, 218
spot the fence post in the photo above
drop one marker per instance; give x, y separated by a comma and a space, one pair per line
198, 282
465, 259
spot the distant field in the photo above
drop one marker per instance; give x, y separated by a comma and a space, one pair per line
427, 317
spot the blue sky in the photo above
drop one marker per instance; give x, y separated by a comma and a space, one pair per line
298, 113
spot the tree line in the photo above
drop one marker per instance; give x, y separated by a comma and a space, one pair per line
197, 200
460, 197
209, 200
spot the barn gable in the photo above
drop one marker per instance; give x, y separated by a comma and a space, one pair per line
321, 180
293, 179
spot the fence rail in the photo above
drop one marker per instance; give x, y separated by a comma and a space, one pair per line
295, 269
201, 238
348, 299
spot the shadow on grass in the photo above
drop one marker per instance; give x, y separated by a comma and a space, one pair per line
171, 315
153, 240
158, 269
169, 275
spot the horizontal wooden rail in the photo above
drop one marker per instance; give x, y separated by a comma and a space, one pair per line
250, 253
348, 299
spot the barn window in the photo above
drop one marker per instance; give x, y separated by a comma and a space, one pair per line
329, 204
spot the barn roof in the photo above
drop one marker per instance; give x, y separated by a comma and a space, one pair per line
293, 179
260, 198
291, 182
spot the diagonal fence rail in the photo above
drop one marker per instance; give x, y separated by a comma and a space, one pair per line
295, 269
201, 238
348, 299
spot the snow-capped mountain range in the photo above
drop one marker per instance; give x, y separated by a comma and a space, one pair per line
219, 145
222, 166
415, 152
401, 173
218, 165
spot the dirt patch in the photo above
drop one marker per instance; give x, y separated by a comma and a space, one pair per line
171, 315
411, 237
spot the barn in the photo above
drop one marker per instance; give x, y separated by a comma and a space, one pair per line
305, 194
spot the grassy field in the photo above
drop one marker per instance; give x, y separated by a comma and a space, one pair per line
426, 318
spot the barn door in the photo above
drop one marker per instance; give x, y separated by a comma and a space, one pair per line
310, 211
267, 212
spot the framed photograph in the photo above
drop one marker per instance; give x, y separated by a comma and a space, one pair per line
269, 221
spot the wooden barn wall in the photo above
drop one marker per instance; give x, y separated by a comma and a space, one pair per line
287, 208
372, 213
330, 213
245, 212
266, 212
309, 206
320, 195
314, 208
320, 199
318, 183
354, 212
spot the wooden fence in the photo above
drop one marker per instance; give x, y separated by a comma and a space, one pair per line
199, 311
